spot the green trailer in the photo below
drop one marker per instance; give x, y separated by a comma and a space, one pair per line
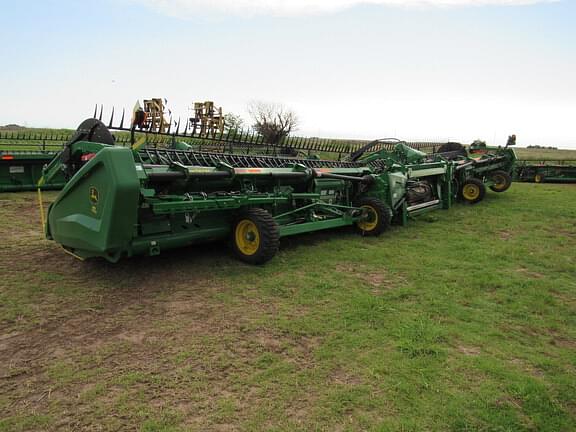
23, 157
550, 171
20, 170
120, 202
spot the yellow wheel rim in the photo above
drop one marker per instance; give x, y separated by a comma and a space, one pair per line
471, 192
499, 182
371, 222
247, 237
538, 178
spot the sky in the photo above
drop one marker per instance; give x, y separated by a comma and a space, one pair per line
413, 69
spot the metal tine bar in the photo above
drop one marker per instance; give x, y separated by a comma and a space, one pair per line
248, 161
188, 158
157, 157
208, 160
169, 125
245, 161
168, 157
111, 118
273, 163
147, 154
267, 163
95, 110
178, 155
252, 161
101, 111
211, 157
236, 162
260, 162
160, 159
122, 120
153, 156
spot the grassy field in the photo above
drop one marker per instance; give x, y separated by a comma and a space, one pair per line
463, 321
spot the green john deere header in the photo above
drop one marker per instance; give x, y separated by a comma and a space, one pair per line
119, 202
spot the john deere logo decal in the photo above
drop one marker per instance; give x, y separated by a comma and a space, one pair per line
94, 198
94, 195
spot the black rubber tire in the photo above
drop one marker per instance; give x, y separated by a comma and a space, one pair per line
268, 231
383, 213
452, 150
507, 180
479, 184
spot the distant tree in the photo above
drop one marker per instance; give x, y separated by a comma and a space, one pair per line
541, 147
233, 122
12, 127
272, 121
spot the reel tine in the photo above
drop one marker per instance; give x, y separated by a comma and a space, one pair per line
169, 124
122, 120
95, 110
101, 111
111, 118
177, 127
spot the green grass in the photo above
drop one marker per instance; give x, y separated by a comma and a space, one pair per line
463, 321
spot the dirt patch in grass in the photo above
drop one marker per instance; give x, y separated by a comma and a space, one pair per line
468, 351
529, 273
378, 281
526, 367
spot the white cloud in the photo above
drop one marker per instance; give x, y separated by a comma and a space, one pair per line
185, 8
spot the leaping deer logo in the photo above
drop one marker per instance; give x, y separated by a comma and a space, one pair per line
94, 195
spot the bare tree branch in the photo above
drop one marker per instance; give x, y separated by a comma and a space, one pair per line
272, 121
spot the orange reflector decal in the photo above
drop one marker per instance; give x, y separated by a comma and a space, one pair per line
8, 157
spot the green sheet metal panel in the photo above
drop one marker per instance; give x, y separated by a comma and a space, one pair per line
96, 212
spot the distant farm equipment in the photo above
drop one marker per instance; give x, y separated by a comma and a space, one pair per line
22, 158
546, 171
